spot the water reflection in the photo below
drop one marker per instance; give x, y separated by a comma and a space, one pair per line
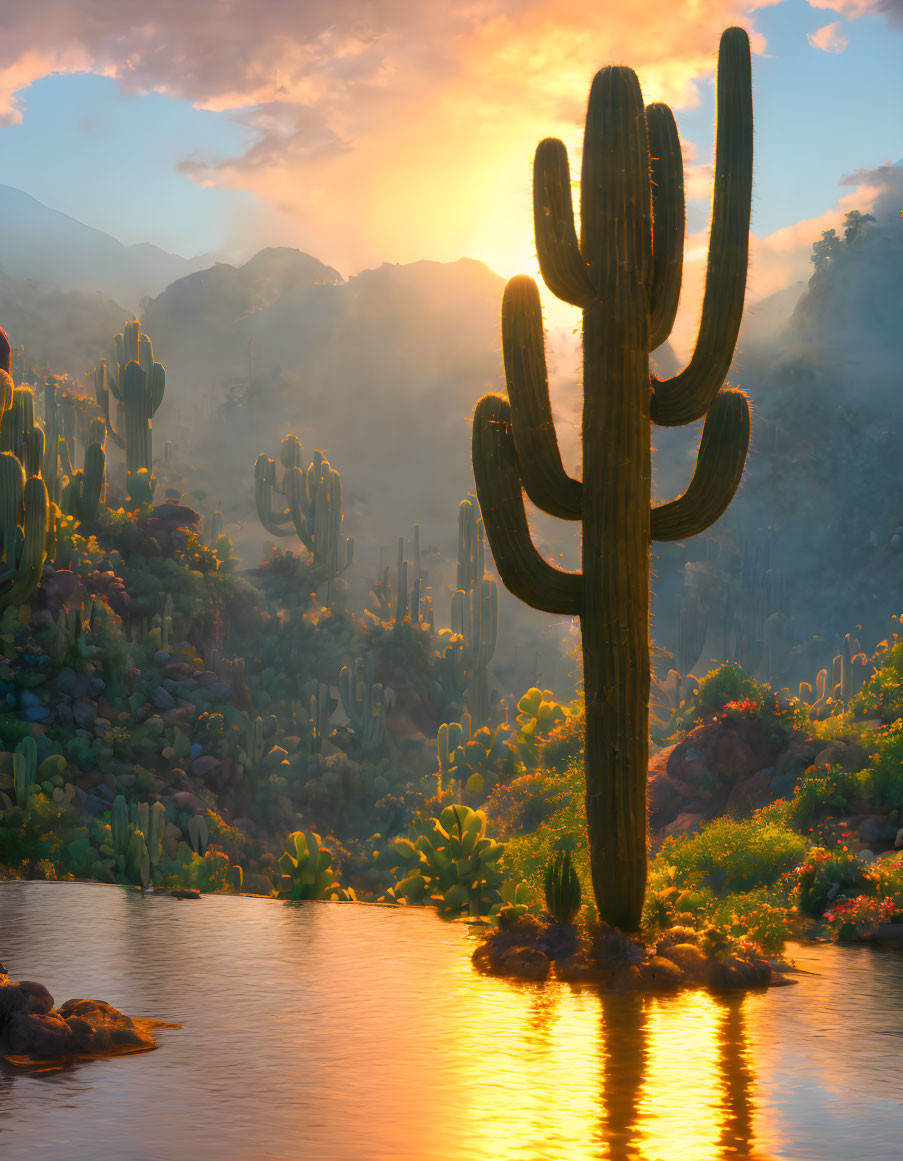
347, 1032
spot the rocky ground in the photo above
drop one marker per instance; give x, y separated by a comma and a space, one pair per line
736, 765
528, 948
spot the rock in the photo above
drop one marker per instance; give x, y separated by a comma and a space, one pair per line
66, 680
161, 657
85, 714
662, 972
31, 1034
677, 935
39, 999
874, 830
12, 999
848, 755
577, 967
186, 801
688, 822
528, 963
733, 972
751, 793
163, 699
689, 958
205, 765
96, 1026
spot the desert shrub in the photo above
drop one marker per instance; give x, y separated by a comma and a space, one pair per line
730, 855
823, 790
761, 916
824, 875
882, 695
726, 684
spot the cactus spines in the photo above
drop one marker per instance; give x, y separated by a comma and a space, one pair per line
623, 272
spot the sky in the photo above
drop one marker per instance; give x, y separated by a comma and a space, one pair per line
369, 131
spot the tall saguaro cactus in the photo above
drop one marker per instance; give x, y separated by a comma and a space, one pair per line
625, 273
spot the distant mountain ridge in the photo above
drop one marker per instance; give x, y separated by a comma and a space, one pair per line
44, 244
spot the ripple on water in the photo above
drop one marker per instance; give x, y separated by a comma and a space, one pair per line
343, 1032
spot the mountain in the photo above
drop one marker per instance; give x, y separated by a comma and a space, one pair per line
39, 243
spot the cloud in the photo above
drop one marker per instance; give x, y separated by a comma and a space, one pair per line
891, 9
828, 38
407, 129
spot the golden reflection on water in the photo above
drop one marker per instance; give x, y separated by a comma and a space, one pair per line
561, 1073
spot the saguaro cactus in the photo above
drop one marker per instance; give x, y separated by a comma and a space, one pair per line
625, 274
314, 505
24, 510
475, 611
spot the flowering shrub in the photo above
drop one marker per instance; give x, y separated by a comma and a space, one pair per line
759, 917
854, 918
824, 875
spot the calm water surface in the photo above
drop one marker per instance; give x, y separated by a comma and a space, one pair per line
334, 1032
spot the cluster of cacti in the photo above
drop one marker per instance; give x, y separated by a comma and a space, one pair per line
137, 385
562, 888
624, 272
137, 832
850, 670
25, 521
475, 611
469, 763
454, 865
366, 703
84, 493
312, 506
306, 867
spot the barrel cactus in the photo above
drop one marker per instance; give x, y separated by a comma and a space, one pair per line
624, 272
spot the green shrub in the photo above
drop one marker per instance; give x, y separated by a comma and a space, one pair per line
728, 683
826, 790
730, 855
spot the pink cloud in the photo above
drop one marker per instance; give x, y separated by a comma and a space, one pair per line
829, 38
403, 129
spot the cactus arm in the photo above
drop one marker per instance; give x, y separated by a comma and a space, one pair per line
686, 396
542, 473
719, 466
523, 571
668, 221
563, 268
102, 394
264, 486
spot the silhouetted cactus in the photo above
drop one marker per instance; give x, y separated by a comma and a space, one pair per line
475, 611
314, 505
625, 274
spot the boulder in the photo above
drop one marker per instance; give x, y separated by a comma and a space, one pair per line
97, 1027
39, 999
528, 963
37, 1034
12, 999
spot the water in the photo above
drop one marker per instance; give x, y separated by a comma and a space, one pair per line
341, 1032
